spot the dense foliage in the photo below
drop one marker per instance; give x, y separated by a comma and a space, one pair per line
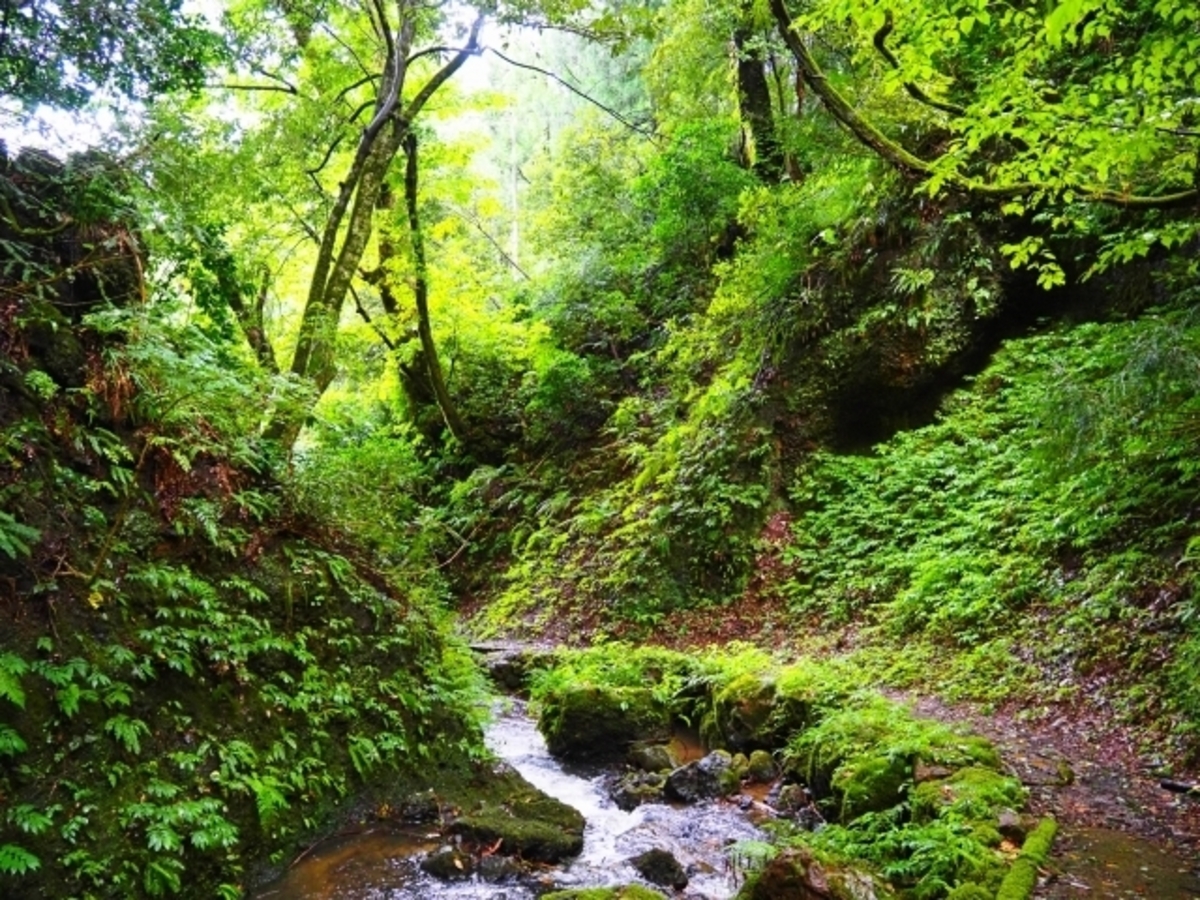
568, 316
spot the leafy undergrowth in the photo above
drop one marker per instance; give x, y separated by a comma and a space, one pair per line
1037, 540
1034, 545
195, 675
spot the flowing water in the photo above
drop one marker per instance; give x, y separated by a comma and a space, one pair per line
383, 864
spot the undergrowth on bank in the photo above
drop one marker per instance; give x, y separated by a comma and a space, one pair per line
196, 675
1041, 526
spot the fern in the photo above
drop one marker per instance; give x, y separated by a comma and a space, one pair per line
12, 667
16, 860
127, 731
10, 742
16, 538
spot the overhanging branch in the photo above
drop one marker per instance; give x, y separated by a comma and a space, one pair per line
892, 152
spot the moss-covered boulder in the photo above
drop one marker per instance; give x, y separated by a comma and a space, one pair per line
660, 867
521, 820
590, 722
653, 757
742, 713
799, 875
627, 892
869, 784
973, 792
761, 768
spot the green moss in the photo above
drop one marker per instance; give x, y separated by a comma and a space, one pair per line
972, 792
1021, 879
742, 710
628, 892
970, 892
502, 806
870, 784
587, 721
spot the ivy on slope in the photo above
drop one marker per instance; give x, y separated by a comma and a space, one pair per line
1047, 514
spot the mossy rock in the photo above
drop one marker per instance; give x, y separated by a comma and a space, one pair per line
742, 713
653, 757
524, 820
972, 792
755, 712
761, 768
870, 784
628, 892
799, 875
592, 722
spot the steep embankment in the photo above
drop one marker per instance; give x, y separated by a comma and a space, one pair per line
194, 676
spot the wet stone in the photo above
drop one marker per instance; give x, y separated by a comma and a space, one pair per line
660, 867
448, 863
637, 788
703, 779
653, 757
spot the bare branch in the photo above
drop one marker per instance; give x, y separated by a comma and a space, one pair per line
469, 217
649, 135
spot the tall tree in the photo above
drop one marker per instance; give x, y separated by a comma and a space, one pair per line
348, 224
61, 53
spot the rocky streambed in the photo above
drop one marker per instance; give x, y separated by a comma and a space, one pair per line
672, 844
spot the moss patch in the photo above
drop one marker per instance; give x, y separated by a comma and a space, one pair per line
1021, 879
504, 807
589, 722
628, 892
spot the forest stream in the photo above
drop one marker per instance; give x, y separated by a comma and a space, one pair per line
385, 864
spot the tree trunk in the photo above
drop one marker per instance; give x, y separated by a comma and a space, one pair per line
421, 289
754, 105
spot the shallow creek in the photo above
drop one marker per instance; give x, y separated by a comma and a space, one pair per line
383, 865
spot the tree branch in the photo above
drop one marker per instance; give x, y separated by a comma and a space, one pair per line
915, 92
421, 293
649, 135
902, 159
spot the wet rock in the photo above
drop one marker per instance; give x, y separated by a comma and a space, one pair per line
448, 863
704, 779
591, 722
797, 875
509, 665
788, 798
1011, 826
418, 809
520, 820
495, 869
653, 757
660, 867
761, 767
637, 788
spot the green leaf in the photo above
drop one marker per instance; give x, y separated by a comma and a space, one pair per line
16, 860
